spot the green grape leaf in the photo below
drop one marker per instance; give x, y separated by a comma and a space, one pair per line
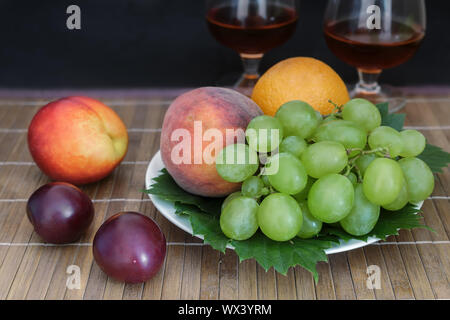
394, 120
327, 237
435, 158
204, 224
390, 222
340, 233
166, 188
283, 255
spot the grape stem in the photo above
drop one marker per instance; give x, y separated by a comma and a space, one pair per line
383, 150
358, 173
347, 171
352, 162
336, 107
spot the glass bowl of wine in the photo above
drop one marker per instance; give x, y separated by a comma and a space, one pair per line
251, 28
374, 35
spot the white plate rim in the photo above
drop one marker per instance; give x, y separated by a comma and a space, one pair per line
167, 209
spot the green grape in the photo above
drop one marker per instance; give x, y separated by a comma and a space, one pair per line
280, 217
400, 202
236, 162
302, 195
362, 112
324, 157
419, 178
253, 187
311, 226
286, 173
264, 133
363, 162
229, 198
413, 143
265, 180
331, 198
386, 137
239, 220
298, 119
319, 117
363, 217
349, 134
294, 145
383, 181
353, 179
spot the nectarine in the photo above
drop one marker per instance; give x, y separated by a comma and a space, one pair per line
77, 140
202, 122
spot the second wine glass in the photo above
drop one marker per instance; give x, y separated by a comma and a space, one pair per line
251, 27
373, 35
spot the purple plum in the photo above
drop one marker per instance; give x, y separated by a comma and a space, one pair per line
60, 212
129, 247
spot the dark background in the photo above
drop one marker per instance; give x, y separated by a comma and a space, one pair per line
158, 43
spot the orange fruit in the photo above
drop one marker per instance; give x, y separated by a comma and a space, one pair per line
300, 78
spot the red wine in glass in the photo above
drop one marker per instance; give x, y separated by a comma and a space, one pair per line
373, 35
372, 52
252, 34
251, 27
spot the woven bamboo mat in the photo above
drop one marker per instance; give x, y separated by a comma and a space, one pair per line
413, 265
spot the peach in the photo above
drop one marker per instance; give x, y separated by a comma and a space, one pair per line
197, 111
77, 140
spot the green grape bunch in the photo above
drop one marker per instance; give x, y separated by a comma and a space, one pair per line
311, 171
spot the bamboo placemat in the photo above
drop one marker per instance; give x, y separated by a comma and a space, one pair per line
413, 265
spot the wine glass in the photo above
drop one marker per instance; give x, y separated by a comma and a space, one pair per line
373, 35
251, 27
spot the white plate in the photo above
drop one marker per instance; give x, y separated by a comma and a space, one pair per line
168, 210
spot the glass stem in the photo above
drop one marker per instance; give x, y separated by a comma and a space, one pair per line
368, 82
251, 65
